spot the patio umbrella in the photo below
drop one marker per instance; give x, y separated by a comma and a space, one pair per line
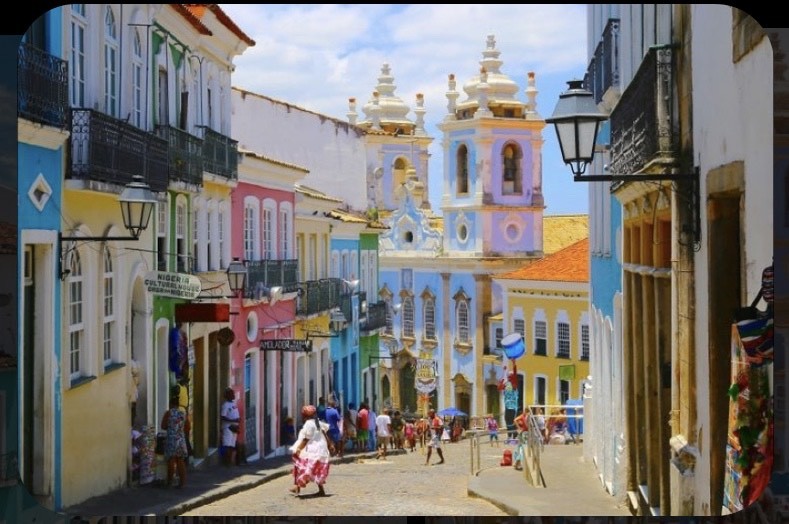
452, 412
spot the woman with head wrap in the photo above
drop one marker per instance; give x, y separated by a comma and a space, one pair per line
310, 452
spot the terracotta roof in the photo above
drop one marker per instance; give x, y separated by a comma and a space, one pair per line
347, 216
252, 154
199, 10
571, 264
192, 19
560, 231
314, 193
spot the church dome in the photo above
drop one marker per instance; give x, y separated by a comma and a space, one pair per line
499, 89
384, 107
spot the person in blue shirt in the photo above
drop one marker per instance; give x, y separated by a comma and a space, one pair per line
333, 419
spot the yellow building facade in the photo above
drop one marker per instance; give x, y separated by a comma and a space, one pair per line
547, 302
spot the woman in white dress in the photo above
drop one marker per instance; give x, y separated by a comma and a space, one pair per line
310, 453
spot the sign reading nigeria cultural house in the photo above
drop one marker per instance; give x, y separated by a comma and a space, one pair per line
176, 285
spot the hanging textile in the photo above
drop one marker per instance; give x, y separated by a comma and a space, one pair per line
749, 451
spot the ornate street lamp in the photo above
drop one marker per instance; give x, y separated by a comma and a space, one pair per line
236, 276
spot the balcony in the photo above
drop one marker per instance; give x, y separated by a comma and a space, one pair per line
105, 149
603, 71
317, 296
643, 128
184, 155
376, 316
271, 273
42, 87
220, 154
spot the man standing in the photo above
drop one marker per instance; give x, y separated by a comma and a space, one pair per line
383, 431
362, 426
353, 414
322, 409
436, 428
333, 419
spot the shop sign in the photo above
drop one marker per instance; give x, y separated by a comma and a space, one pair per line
286, 345
425, 375
176, 285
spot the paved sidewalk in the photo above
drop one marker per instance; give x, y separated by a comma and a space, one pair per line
573, 488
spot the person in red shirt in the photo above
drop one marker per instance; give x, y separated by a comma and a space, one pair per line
436, 428
362, 425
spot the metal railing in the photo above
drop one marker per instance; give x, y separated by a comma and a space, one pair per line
220, 153
376, 316
106, 149
184, 155
603, 71
271, 273
42, 87
316, 296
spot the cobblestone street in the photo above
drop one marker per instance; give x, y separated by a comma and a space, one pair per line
401, 485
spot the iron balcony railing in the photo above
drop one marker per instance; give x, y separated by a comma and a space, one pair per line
642, 124
271, 273
376, 316
603, 71
42, 87
184, 155
109, 150
316, 296
220, 154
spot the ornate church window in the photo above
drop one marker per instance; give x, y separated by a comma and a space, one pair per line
511, 170
462, 170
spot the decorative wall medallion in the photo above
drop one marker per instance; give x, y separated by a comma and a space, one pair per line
39, 192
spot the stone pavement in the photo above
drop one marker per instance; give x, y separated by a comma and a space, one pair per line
572, 488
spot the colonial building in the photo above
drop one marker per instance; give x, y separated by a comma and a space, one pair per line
547, 302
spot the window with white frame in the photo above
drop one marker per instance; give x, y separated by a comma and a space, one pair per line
563, 340
77, 59
408, 316
220, 218
364, 277
353, 270
389, 328
372, 270
269, 229
110, 63
344, 264
584, 341
335, 264
209, 236
251, 224
285, 226
429, 312
196, 266
137, 79
519, 326
499, 334
76, 323
161, 235
462, 321
180, 234
564, 391
109, 307
540, 337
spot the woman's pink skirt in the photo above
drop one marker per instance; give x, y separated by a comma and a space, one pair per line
306, 470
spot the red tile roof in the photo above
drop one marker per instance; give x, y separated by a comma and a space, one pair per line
198, 10
192, 19
570, 264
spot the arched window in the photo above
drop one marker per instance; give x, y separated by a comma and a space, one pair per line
269, 229
462, 322
110, 64
429, 312
408, 317
76, 325
180, 234
137, 79
109, 307
399, 172
511, 175
77, 63
462, 170
251, 228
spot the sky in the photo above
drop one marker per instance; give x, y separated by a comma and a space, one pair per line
316, 56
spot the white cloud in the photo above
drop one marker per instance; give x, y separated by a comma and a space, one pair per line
318, 55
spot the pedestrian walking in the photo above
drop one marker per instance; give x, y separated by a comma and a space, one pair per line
176, 423
348, 432
229, 416
333, 420
436, 429
383, 431
362, 426
493, 430
398, 428
423, 433
310, 453
372, 428
410, 434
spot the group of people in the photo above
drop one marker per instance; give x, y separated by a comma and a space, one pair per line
320, 433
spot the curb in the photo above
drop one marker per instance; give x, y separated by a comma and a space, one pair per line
503, 506
226, 491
